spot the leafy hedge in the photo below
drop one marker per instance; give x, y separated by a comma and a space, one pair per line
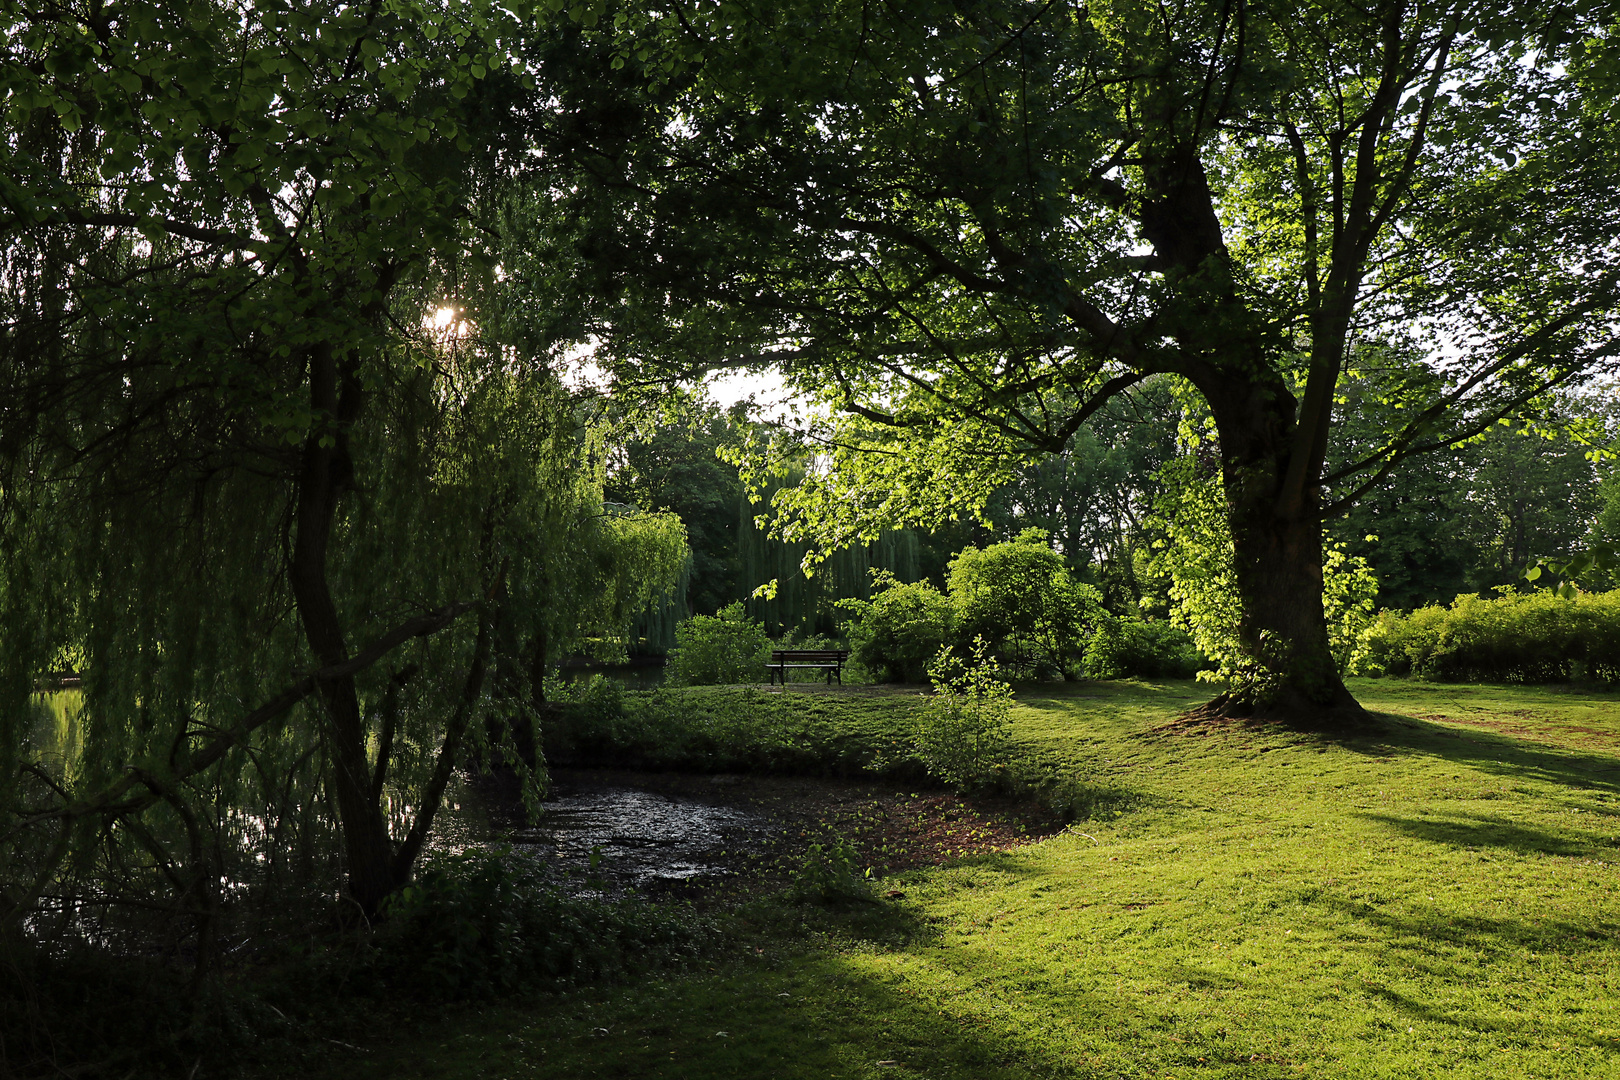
1517, 637
895, 635
1018, 596
483, 923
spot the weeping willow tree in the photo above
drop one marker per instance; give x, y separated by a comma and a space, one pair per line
301, 545
792, 600
653, 632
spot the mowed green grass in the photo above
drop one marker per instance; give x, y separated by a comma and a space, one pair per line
1441, 899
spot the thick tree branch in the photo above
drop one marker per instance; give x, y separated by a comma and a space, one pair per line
183, 229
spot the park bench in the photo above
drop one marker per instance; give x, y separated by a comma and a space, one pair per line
829, 660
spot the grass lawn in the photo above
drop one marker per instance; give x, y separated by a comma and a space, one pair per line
1441, 900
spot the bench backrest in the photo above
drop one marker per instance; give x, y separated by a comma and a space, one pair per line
814, 656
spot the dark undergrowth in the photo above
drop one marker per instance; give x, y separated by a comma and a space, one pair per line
477, 926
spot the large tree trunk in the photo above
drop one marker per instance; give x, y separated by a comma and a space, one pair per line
1279, 575
1277, 543
1270, 462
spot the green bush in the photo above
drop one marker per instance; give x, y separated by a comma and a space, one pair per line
1017, 596
488, 922
1394, 641
598, 696
719, 650
897, 633
1517, 637
1142, 648
961, 732
800, 639
1020, 598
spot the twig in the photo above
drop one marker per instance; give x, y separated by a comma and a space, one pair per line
349, 1046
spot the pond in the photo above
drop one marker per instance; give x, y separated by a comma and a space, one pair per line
637, 839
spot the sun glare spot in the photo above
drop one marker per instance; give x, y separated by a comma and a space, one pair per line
447, 323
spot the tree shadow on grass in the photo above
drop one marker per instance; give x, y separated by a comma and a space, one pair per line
1457, 948
1501, 755
1571, 1033
1488, 831
1490, 936
1022, 1020
871, 920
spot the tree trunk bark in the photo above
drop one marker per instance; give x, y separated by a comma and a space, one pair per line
1277, 545
1279, 575
325, 472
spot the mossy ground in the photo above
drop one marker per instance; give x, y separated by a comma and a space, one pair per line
1440, 899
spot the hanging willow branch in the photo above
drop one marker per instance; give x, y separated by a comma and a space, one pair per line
119, 800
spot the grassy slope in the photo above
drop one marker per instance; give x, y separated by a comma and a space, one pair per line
1439, 901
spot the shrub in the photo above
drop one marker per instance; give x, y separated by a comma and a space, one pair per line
962, 730
486, 922
1142, 648
1020, 597
598, 697
832, 874
1515, 637
1017, 596
717, 650
1395, 643
799, 639
1349, 595
898, 632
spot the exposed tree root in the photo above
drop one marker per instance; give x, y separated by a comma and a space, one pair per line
1343, 717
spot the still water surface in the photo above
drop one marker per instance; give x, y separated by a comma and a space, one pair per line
599, 833
641, 838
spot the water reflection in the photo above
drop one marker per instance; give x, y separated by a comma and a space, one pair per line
644, 673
